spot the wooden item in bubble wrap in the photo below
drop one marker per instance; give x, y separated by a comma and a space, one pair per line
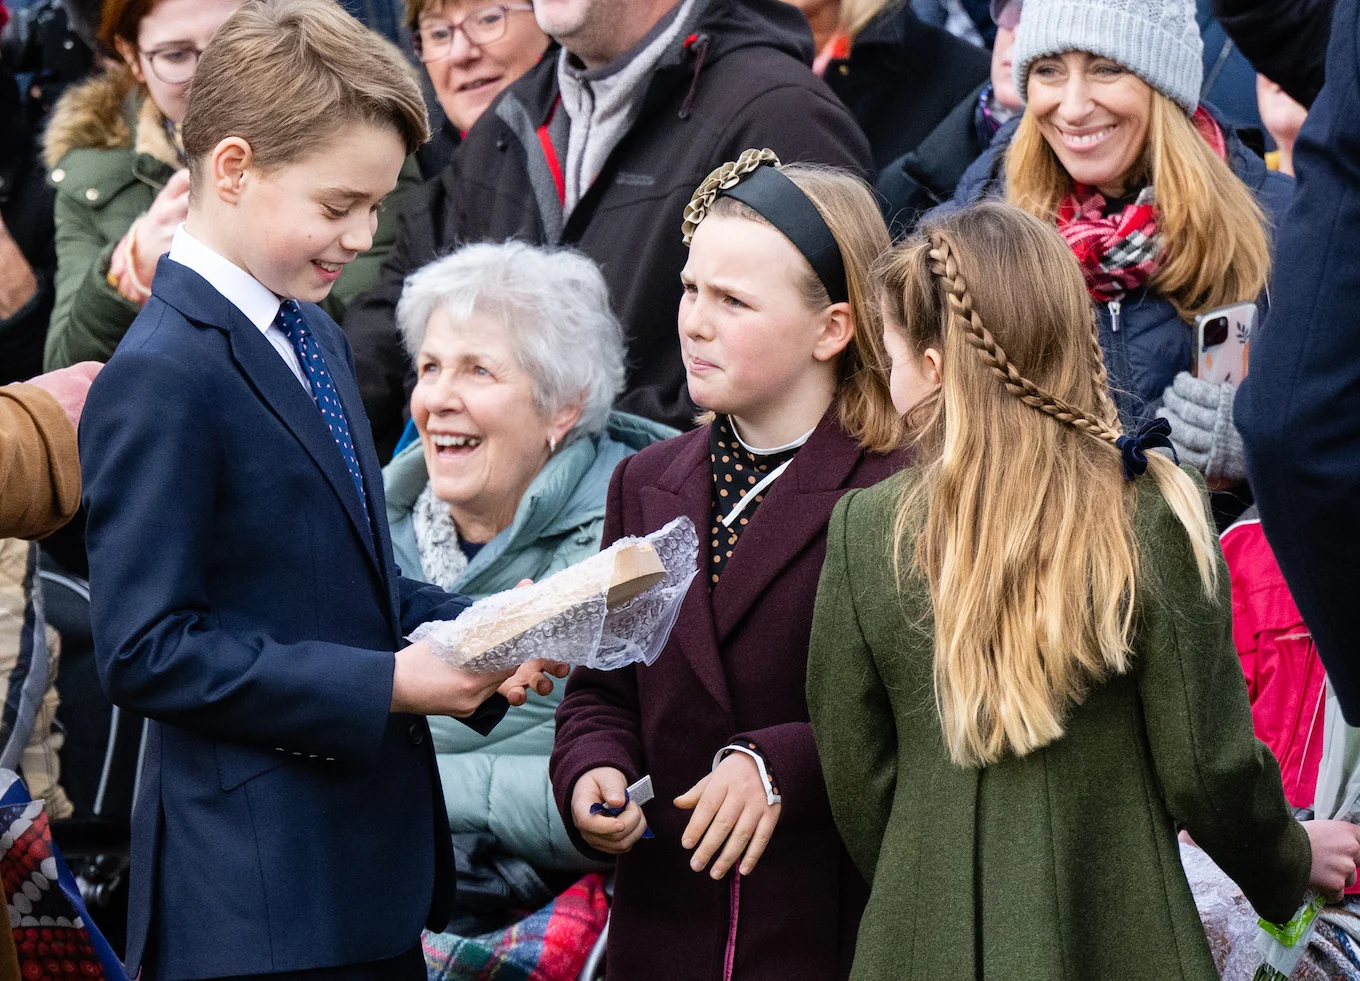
567, 616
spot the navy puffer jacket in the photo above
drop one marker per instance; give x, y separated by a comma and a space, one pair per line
1145, 341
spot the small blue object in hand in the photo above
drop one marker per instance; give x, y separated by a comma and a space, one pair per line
616, 811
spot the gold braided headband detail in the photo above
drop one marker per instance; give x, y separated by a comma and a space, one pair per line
727, 176
944, 266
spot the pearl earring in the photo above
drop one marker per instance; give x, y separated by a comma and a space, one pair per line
552, 445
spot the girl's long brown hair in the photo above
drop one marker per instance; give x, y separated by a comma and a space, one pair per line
1022, 521
1217, 249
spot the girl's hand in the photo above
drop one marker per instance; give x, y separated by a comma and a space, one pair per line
729, 806
611, 835
1336, 850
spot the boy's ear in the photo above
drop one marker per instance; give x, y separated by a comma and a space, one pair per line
228, 165
838, 330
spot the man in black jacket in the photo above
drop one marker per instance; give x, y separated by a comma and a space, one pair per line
601, 148
1285, 40
1299, 408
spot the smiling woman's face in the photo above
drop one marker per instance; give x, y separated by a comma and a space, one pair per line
485, 439
470, 76
1094, 113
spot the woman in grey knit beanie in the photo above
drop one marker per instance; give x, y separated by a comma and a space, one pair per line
1165, 208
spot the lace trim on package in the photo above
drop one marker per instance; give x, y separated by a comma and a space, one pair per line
566, 616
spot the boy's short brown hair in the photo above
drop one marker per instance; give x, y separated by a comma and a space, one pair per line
286, 75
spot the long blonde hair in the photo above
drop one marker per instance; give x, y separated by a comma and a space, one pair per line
1217, 249
1022, 521
847, 205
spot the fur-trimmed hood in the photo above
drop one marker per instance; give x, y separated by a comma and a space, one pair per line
108, 112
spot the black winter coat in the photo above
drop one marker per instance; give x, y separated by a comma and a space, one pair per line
737, 77
927, 176
26, 204
1299, 407
1286, 40
902, 78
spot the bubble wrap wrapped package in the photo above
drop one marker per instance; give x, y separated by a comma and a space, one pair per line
567, 618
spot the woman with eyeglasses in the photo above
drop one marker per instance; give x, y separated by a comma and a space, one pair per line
471, 50
115, 160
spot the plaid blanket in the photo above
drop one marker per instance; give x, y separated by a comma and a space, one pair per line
551, 944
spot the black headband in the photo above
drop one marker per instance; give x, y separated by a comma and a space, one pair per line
780, 202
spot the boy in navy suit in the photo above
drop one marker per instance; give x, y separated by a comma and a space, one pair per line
289, 822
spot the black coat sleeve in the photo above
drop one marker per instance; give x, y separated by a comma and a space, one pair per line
1285, 40
1299, 407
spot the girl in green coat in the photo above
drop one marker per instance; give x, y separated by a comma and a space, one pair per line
1022, 677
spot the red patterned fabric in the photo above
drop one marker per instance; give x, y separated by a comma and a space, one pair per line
1122, 252
551, 944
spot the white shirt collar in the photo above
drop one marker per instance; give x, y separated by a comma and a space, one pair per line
773, 450
245, 292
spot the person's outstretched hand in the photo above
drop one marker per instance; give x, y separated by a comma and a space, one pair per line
611, 835
732, 813
536, 676
422, 684
69, 386
1336, 850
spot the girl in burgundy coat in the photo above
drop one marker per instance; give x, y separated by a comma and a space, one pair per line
746, 876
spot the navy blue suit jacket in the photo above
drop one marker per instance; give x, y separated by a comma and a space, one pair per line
286, 819
1299, 407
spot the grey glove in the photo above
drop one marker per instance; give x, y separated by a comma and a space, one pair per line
1201, 417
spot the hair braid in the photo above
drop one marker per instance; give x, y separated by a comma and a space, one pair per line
944, 266
1109, 414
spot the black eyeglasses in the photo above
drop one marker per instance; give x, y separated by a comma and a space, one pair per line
434, 39
174, 65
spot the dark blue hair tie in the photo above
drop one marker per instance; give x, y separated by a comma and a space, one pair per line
1134, 449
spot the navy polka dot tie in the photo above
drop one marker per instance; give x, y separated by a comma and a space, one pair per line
289, 320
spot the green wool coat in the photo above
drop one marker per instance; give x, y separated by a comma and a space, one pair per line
1062, 864
108, 157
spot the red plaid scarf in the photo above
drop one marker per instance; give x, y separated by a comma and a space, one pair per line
1124, 251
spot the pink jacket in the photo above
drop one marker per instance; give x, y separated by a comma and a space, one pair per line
1285, 678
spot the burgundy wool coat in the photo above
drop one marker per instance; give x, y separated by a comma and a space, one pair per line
734, 667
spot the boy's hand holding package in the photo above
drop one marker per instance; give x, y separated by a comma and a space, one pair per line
422, 684
732, 812
601, 831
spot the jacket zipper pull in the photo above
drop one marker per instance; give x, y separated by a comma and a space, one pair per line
1115, 307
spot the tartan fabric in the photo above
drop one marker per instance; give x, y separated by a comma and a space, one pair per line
1122, 252
551, 944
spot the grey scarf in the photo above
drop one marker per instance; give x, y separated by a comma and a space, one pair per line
442, 560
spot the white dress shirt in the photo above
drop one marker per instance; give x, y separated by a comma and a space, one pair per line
243, 290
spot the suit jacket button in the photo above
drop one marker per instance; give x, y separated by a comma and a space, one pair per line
415, 734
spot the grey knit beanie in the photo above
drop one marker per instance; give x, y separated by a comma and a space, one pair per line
1157, 40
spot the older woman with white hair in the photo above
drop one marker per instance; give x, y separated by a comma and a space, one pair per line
518, 361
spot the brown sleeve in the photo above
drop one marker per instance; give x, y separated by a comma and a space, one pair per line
39, 464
